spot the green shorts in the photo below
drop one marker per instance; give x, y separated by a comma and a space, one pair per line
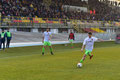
47, 43
87, 52
71, 40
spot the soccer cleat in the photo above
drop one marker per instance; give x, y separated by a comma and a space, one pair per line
42, 53
52, 53
91, 56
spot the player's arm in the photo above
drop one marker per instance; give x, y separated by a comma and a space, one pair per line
73, 37
97, 39
83, 46
69, 37
50, 37
11, 35
5, 35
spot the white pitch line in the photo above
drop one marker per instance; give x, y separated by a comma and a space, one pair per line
40, 43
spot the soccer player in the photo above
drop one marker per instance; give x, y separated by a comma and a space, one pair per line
9, 37
71, 38
46, 40
88, 45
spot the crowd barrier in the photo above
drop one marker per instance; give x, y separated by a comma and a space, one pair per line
31, 20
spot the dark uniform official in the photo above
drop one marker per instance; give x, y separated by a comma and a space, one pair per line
3, 36
9, 37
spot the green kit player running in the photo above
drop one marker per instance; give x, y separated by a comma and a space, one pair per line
88, 45
46, 41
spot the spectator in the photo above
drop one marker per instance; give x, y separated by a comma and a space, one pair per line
32, 8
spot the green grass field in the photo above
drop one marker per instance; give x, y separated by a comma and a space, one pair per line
27, 63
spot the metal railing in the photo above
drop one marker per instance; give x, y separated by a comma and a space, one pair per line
12, 21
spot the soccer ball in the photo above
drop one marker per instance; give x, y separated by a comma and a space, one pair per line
79, 65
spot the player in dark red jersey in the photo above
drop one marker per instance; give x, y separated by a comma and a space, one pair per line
71, 38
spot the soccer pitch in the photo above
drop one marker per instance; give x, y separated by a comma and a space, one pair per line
27, 63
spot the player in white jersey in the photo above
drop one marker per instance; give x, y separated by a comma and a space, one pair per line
46, 40
88, 45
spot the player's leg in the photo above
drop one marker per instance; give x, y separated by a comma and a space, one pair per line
50, 47
0, 44
91, 55
71, 42
7, 44
43, 48
51, 50
83, 58
3, 45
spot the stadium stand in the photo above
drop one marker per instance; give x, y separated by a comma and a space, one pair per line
89, 30
38, 8
98, 30
40, 14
